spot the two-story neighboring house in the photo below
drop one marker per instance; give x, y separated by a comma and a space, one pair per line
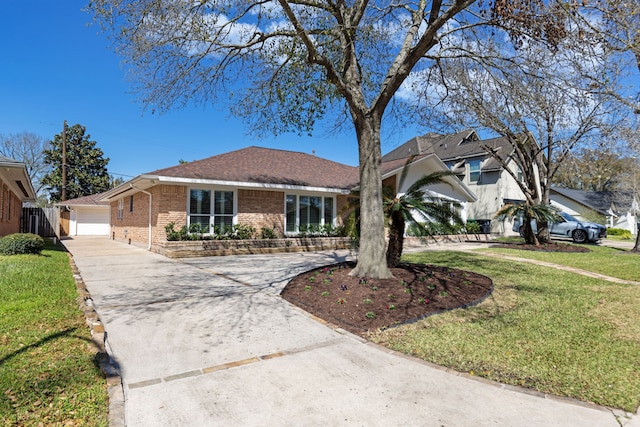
464, 154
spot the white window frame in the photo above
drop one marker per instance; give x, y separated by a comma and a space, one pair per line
212, 215
472, 171
323, 197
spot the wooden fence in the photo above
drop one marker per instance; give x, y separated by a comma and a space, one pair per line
41, 221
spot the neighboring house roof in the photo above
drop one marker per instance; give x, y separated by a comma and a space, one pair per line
433, 163
14, 175
447, 147
91, 200
457, 147
601, 201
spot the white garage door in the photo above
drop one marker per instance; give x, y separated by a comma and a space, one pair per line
93, 221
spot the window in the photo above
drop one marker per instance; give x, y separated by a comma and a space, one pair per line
291, 213
131, 204
120, 212
302, 212
328, 210
208, 212
519, 173
223, 209
474, 170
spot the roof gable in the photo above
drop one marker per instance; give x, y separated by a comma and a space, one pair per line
454, 149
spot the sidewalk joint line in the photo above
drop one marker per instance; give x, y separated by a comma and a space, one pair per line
229, 365
569, 269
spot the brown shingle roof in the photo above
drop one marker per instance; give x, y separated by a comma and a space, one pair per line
269, 166
444, 146
453, 147
91, 200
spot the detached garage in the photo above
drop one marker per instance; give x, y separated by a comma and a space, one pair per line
86, 216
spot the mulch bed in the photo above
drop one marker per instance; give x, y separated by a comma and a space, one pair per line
547, 247
361, 305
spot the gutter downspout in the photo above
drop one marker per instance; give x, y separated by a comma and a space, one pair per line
150, 203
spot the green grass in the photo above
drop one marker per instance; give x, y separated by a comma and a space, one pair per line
604, 260
544, 329
48, 372
621, 238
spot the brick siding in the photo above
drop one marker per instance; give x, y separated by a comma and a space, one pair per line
257, 208
169, 205
261, 209
10, 210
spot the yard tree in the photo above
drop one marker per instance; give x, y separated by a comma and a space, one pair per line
27, 147
86, 166
617, 24
535, 97
284, 64
596, 169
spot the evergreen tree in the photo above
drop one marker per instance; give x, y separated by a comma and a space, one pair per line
86, 168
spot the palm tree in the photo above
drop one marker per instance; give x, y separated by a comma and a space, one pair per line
416, 207
538, 212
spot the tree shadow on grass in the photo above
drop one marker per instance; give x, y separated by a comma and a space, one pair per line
37, 344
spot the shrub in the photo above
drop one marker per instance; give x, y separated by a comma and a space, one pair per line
433, 229
172, 234
268, 233
21, 243
317, 230
243, 232
624, 234
473, 227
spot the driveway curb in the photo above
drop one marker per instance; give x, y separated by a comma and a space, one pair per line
115, 389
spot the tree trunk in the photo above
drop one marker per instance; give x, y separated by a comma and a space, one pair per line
529, 236
636, 247
544, 232
371, 257
396, 240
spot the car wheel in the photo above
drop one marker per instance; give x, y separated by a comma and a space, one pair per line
521, 231
579, 236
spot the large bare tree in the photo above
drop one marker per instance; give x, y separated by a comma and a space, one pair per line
28, 148
283, 64
536, 98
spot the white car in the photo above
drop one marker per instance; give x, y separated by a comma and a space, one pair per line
569, 227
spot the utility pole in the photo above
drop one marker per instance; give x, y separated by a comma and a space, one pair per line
64, 162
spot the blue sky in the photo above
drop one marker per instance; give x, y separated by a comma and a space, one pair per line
56, 66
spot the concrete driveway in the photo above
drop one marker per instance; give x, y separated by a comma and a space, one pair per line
208, 341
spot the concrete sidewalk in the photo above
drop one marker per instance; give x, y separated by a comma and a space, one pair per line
207, 341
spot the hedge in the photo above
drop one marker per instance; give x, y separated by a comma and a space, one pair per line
21, 243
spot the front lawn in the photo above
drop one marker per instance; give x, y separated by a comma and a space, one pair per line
48, 371
544, 329
601, 259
